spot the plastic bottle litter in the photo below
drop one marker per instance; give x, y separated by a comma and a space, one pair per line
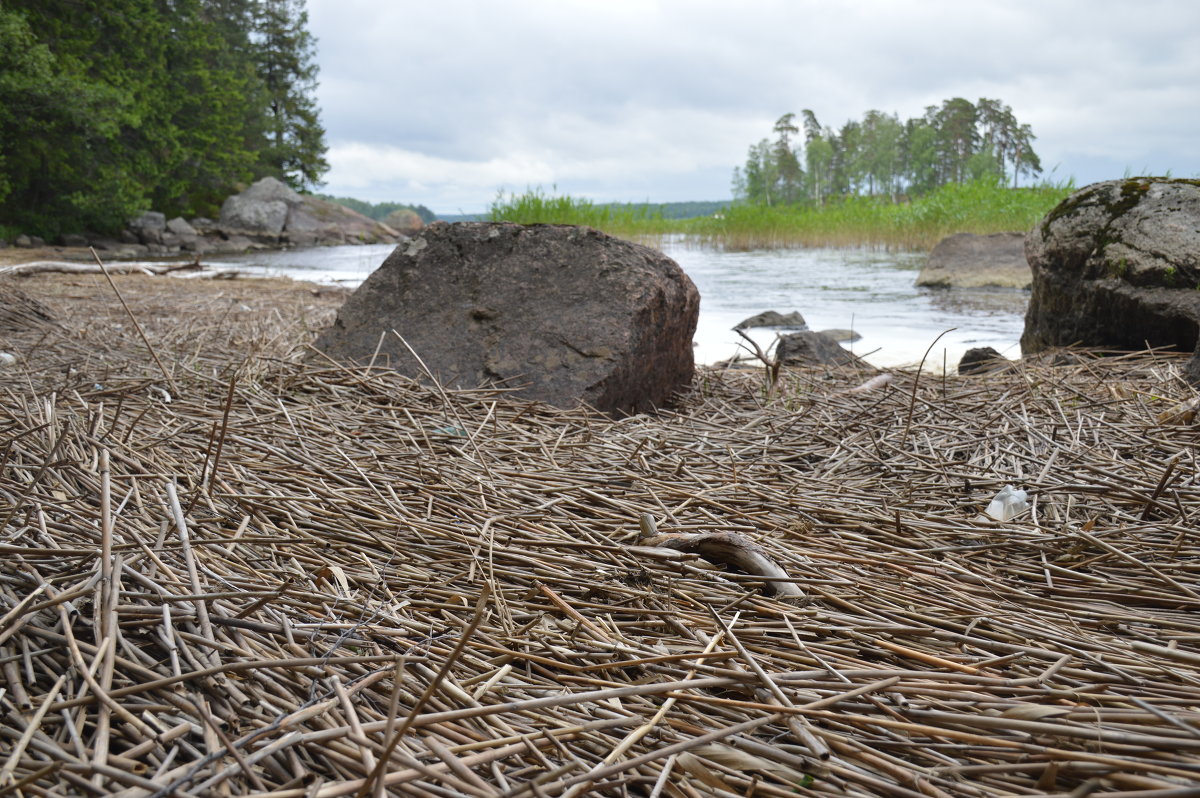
1008, 504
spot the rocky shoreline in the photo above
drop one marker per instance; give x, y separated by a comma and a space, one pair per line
267, 215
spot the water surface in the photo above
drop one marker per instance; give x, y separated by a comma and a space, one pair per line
869, 291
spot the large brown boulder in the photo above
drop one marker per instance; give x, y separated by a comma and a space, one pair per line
967, 260
1117, 264
562, 314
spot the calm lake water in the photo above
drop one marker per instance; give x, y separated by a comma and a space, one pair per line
868, 291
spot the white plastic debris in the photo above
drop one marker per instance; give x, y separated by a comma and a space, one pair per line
1008, 504
7, 359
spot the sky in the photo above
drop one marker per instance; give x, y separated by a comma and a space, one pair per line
447, 103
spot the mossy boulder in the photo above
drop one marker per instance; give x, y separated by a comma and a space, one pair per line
1117, 264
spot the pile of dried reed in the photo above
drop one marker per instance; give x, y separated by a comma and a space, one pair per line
263, 573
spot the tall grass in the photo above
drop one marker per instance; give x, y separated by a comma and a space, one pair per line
981, 206
536, 207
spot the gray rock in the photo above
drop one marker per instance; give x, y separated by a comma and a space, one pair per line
203, 226
812, 349
771, 318
966, 260
129, 237
232, 245
180, 227
561, 314
149, 227
317, 221
73, 240
271, 212
404, 221
260, 210
116, 249
981, 360
848, 336
4, 243
37, 241
23, 241
148, 220
1117, 264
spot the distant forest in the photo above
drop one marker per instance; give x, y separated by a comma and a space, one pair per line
381, 210
955, 142
112, 107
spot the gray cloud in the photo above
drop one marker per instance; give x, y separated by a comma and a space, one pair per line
446, 103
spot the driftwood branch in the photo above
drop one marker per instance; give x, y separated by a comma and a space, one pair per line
729, 549
190, 268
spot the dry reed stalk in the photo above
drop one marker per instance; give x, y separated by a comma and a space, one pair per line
310, 627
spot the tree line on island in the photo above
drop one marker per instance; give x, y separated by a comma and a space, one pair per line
112, 107
955, 142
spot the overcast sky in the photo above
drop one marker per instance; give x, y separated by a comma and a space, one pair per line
446, 102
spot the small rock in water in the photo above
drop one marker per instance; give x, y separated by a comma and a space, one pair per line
812, 348
772, 318
981, 360
847, 336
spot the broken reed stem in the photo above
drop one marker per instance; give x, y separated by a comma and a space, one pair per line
332, 536
398, 735
136, 324
799, 725
912, 402
189, 559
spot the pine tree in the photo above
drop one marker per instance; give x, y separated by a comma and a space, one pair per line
285, 51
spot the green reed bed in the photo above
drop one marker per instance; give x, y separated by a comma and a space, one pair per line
536, 207
982, 206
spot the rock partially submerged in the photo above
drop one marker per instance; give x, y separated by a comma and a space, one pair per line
1117, 264
557, 313
812, 348
772, 318
967, 260
981, 360
840, 335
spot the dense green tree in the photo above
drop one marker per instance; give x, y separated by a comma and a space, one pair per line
918, 156
788, 172
759, 177
62, 164
285, 53
956, 123
1024, 160
880, 152
818, 158
845, 165
110, 107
